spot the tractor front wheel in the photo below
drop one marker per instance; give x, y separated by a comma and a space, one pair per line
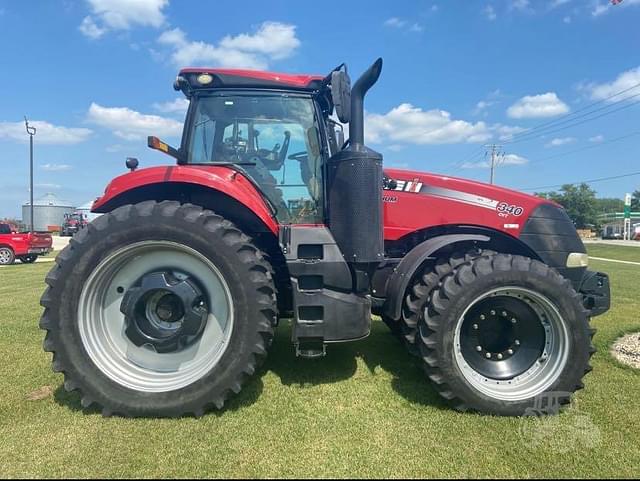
158, 309
505, 335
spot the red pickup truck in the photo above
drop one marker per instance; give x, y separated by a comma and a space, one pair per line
23, 246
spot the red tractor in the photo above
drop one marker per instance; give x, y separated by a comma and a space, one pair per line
167, 304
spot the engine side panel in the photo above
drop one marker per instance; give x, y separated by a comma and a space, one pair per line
422, 200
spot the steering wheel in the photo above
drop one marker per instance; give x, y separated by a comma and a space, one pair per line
299, 156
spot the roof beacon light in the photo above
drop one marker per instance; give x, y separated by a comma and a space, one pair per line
205, 79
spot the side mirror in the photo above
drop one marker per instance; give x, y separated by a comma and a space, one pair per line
341, 94
156, 144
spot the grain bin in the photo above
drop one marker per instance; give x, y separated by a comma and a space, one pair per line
48, 211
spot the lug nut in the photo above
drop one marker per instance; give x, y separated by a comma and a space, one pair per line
510, 351
499, 356
504, 313
475, 326
488, 355
493, 313
513, 320
479, 348
517, 343
482, 317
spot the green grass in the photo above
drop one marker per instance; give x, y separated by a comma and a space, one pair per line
365, 411
607, 251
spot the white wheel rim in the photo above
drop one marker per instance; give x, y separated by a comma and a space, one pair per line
5, 256
102, 325
541, 375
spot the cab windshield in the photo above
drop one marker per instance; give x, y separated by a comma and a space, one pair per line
274, 138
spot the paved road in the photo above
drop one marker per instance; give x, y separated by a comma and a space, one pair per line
60, 243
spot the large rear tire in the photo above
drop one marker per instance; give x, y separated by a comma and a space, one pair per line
505, 335
158, 309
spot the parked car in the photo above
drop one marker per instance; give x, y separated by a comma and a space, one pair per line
25, 246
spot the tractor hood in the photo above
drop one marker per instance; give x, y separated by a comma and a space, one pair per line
416, 200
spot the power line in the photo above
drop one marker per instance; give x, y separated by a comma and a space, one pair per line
591, 181
537, 135
560, 120
588, 147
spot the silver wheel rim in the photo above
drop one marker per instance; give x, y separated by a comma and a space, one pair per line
102, 325
544, 372
5, 256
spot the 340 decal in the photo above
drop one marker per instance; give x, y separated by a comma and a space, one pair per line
505, 209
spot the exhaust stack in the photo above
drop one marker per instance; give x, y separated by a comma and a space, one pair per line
355, 191
359, 90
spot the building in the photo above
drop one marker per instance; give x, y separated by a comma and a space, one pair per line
613, 225
48, 212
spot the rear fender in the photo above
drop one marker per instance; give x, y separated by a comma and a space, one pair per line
217, 186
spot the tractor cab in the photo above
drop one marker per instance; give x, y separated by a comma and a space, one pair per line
275, 127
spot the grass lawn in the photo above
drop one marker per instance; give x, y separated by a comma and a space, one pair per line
623, 253
365, 410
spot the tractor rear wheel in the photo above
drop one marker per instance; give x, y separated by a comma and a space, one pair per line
505, 335
158, 309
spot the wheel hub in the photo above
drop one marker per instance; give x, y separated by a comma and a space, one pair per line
502, 337
164, 310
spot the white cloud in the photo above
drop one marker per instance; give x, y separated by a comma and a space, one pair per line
557, 142
567, 19
399, 23
122, 15
177, 106
628, 80
507, 159
558, 3
46, 133
90, 29
602, 8
48, 186
408, 124
490, 12
506, 132
534, 106
131, 125
56, 167
596, 138
521, 5
395, 22
271, 41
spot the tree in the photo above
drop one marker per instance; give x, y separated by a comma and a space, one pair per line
579, 201
635, 200
609, 205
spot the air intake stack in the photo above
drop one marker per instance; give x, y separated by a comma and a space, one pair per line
355, 190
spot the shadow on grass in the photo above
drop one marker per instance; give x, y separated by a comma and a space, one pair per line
379, 350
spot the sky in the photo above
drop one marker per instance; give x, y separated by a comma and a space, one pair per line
555, 84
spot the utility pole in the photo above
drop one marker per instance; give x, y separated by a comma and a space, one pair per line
31, 131
494, 157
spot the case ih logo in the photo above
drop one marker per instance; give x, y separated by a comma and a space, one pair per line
408, 186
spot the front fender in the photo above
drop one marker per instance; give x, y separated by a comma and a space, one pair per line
405, 270
219, 178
